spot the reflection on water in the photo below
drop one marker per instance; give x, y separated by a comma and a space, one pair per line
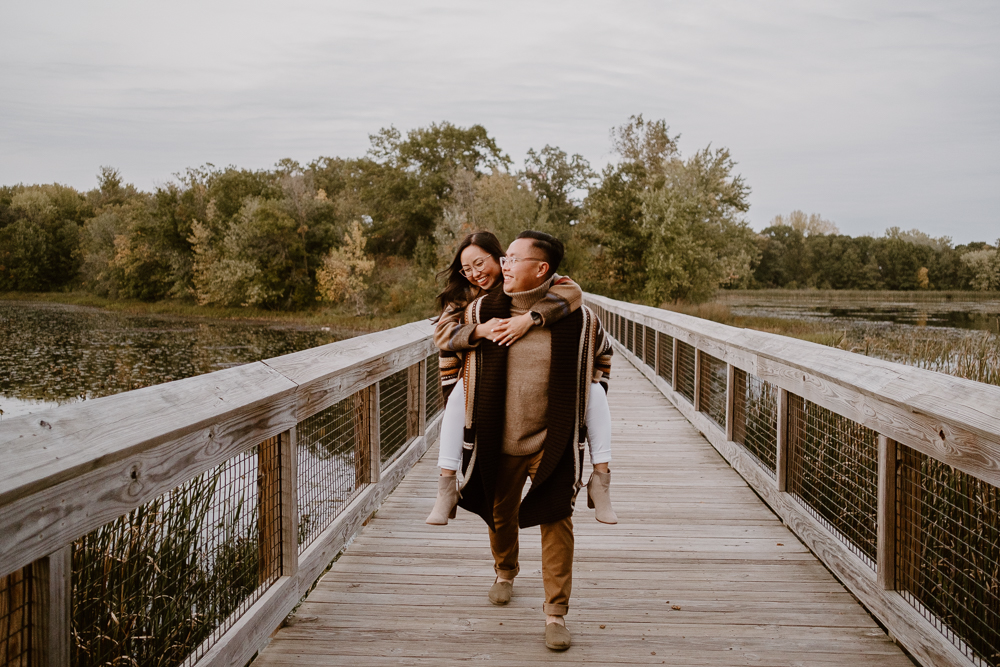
52, 354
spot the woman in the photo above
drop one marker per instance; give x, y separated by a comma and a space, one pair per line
474, 271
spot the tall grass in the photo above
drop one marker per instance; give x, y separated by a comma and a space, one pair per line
973, 355
149, 587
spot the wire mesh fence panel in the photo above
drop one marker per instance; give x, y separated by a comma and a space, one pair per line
161, 584
833, 472
637, 344
630, 335
712, 389
332, 467
649, 339
16, 627
435, 398
948, 552
685, 371
665, 345
393, 414
755, 419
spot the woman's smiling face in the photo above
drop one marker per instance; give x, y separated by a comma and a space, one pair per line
479, 267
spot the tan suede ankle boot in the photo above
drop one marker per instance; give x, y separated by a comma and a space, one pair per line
447, 498
599, 497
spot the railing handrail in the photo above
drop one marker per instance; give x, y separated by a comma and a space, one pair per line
900, 401
90, 462
833, 444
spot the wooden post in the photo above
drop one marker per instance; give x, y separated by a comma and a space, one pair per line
413, 407
362, 437
368, 450
289, 491
375, 433
886, 519
269, 509
697, 380
674, 371
656, 352
730, 400
781, 464
51, 608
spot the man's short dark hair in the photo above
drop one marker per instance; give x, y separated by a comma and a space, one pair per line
551, 247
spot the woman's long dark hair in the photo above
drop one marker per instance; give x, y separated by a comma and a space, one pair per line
458, 285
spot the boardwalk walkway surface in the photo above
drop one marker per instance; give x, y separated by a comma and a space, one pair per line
697, 572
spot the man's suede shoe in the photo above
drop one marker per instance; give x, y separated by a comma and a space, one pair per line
500, 592
557, 637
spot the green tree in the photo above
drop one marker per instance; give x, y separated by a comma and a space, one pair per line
613, 210
345, 270
698, 238
256, 260
555, 177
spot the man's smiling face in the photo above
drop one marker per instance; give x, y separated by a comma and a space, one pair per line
524, 267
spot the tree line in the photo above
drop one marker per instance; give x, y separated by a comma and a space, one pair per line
367, 234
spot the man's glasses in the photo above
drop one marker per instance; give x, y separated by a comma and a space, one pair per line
511, 261
477, 266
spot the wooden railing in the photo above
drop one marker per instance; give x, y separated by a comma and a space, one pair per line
888, 473
198, 513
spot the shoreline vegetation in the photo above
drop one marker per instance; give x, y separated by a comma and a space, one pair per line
365, 236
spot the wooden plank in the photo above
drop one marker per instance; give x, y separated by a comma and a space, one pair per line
413, 406
407, 593
53, 587
731, 390
951, 419
252, 631
374, 433
269, 509
907, 626
361, 414
886, 521
289, 503
328, 374
675, 372
698, 363
35, 525
44, 449
781, 462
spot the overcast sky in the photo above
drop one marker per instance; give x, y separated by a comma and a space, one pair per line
872, 114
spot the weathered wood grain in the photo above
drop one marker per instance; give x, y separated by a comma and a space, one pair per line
954, 420
886, 565
691, 534
920, 638
41, 450
328, 374
53, 516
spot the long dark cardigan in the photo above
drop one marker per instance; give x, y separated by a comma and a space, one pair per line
554, 486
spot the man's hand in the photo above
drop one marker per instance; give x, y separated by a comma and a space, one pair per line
508, 331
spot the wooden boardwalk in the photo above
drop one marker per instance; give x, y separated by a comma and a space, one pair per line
698, 572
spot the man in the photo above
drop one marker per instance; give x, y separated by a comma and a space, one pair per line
525, 419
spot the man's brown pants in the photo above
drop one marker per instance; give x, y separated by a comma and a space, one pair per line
557, 537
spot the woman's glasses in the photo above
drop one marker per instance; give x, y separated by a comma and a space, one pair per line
477, 266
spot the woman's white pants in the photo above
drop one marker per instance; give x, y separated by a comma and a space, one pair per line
598, 421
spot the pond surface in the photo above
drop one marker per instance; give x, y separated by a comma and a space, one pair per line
52, 354
944, 312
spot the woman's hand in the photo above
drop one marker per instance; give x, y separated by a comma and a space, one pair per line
508, 331
485, 330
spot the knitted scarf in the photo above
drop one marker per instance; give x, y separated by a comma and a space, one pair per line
553, 489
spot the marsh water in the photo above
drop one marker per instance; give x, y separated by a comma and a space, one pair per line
929, 313
52, 354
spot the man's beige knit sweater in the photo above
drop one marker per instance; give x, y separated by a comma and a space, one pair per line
528, 362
